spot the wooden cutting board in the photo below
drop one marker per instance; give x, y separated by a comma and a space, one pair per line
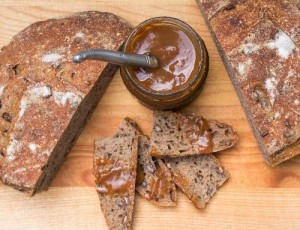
255, 197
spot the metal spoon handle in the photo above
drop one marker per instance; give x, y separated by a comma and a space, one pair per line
116, 57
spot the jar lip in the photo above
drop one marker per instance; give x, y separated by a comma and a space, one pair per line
189, 30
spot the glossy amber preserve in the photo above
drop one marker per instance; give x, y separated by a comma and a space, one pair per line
183, 63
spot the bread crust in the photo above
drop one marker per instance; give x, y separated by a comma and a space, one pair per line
46, 98
262, 61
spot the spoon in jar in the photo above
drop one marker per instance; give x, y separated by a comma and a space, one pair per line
146, 60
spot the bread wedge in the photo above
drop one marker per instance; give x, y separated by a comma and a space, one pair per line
154, 180
176, 134
199, 177
115, 162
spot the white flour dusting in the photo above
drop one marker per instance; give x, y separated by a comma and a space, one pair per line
1, 90
283, 44
241, 68
244, 67
20, 170
62, 98
79, 35
33, 96
52, 58
13, 148
277, 115
250, 48
32, 147
271, 87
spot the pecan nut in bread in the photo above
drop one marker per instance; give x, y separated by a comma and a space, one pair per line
259, 43
46, 98
115, 162
154, 180
175, 135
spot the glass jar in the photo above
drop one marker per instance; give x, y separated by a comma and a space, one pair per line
180, 95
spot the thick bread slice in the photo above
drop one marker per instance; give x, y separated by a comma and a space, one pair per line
198, 177
115, 163
154, 180
46, 98
169, 135
259, 43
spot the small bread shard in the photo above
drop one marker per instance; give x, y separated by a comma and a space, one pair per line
154, 180
115, 162
175, 135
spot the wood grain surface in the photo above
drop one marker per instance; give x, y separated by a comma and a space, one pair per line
255, 197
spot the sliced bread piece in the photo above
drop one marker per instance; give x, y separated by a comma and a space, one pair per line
154, 180
198, 177
175, 134
115, 162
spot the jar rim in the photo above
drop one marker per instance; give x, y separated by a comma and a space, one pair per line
189, 31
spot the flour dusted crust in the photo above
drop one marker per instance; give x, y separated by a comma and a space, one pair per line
259, 43
45, 97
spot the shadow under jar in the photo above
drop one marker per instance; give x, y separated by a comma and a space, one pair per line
183, 63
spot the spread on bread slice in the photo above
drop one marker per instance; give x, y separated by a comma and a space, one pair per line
154, 180
176, 134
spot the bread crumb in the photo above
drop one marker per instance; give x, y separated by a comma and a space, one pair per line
157, 128
283, 43
296, 101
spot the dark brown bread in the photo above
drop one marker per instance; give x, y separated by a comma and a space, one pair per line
154, 180
198, 177
169, 135
259, 42
46, 98
115, 162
